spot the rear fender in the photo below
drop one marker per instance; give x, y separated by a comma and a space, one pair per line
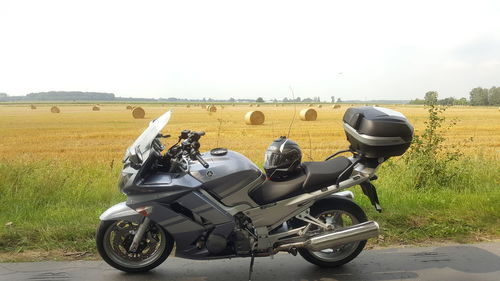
121, 211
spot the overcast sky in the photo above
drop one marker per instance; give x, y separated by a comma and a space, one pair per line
221, 49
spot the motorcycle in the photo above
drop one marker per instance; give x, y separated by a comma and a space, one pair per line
219, 204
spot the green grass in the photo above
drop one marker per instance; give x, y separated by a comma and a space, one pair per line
56, 205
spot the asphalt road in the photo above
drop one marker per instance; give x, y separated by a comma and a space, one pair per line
461, 262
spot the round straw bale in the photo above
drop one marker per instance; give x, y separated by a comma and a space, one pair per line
335, 106
95, 108
138, 112
188, 106
55, 109
32, 107
308, 114
254, 118
222, 107
129, 107
234, 104
320, 106
311, 105
251, 105
212, 108
258, 105
203, 106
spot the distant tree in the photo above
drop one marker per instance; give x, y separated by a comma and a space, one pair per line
232, 100
431, 97
307, 100
333, 99
417, 101
259, 99
447, 101
479, 96
339, 100
297, 99
461, 101
286, 100
494, 96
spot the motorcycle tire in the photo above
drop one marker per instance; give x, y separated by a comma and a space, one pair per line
117, 255
343, 206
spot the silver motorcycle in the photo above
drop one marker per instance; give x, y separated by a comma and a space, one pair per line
219, 204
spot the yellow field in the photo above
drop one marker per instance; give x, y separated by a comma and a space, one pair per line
80, 134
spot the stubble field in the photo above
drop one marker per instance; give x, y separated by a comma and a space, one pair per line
58, 171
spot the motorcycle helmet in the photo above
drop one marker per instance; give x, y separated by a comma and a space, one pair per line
282, 158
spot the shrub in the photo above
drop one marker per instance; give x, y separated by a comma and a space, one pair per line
430, 162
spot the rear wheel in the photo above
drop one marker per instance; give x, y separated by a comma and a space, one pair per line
340, 213
115, 237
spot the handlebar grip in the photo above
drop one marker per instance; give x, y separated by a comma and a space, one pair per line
202, 161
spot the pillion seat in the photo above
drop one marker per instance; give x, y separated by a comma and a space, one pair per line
325, 173
311, 177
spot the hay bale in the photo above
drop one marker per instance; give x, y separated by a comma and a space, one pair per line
251, 105
55, 109
95, 108
32, 107
335, 106
320, 105
254, 118
188, 106
308, 114
212, 108
129, 107
138, 112
222, 107
258, 105
234, 104
311, 105
203, 106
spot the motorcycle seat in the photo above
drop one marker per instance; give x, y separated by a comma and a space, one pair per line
272, 191
325, 173
311, 177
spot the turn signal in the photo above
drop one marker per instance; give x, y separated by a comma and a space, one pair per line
145, 211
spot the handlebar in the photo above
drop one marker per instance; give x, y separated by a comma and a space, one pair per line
202, 161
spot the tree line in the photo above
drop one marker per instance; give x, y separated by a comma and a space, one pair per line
477, 96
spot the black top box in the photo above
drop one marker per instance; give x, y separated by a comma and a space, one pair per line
376, 132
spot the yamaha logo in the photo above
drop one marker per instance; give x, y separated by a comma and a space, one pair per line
210, 173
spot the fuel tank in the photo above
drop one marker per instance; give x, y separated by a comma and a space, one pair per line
228, 175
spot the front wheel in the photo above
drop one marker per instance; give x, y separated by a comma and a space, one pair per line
340, 213
115, 237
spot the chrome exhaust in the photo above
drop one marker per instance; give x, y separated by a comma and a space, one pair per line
331, 239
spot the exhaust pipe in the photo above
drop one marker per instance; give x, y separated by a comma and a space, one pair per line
353, 233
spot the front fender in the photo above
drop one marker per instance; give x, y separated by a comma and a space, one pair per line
121, 211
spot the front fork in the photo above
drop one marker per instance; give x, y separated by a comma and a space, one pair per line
139, 234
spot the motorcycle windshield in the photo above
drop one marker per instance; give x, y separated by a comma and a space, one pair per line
142, 144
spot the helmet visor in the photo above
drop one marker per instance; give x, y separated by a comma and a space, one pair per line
272, 160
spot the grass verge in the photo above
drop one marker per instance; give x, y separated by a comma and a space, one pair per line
55, 206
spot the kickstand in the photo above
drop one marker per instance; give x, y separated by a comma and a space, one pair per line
251, 268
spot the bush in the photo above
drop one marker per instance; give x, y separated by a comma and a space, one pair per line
429, 161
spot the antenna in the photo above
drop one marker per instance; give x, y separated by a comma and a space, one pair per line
294, 111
